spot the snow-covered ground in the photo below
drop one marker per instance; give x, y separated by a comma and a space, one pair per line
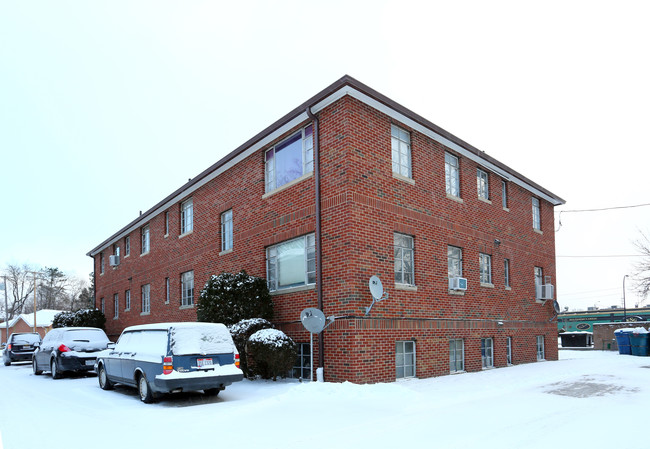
587, 399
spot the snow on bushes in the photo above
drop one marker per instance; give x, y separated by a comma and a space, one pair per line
80, 318
273, 352
241, 332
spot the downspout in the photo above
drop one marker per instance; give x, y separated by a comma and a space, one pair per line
319, 265
94, 283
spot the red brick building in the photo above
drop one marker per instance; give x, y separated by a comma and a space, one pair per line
348, 185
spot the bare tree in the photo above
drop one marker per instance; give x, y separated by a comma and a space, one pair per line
52, 289
20, 285
642, 269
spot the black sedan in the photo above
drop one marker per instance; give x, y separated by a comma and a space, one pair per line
69, 349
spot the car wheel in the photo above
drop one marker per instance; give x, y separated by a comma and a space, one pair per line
54, 369
104, 382
7, 362
212, 391
144, 390
37, 371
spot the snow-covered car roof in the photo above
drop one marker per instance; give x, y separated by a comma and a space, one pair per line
177, 325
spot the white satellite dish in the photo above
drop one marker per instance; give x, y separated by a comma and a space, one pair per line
556, 306
376, 289
313, 319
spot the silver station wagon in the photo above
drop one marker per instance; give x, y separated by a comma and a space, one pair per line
171, 357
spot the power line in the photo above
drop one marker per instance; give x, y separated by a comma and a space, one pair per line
606, 255
602, 208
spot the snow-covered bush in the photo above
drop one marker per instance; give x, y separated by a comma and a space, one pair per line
229, 298
241, 332
80, 318
273, 353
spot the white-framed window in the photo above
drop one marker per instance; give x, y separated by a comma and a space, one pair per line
404, 259
537, 220
289, 159
504, 194
456, 355
509, 350
102, 305
226, 231
404, 359
127, 246
101, 263
506, 272
452, 175
146, 298
540, 347
116, 306
482, 184
454, 262
539, 277
485, 268
302, 367
127, 300
291, 263
167, 291
487, 353
187, 288
187, 216
401, 150
116, 250
144, 233
167, 223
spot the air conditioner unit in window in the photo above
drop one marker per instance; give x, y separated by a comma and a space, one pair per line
113, 261
457, 284
544, 292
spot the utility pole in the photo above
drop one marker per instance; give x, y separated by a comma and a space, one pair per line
34, 274
6, 310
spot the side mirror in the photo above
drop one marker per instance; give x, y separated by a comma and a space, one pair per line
3, 345
110, 345
37, 344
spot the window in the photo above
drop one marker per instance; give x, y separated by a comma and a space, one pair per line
504, 194
144, 233
127, 300
166, 290
166, 223
290, 159
482, 184
485, 267
226, 231
506, 272
404, 269
291, 263
127, 246
146, 299
456, 355
487, 353
302, 367
539, 277
509, 350
102, 305
187, 216
537, 223
101, 263
401, 150
452, 175
187, 288
404, 359
454, 262
540, 347
116, 250
116, 306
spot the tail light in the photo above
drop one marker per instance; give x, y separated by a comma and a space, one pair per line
237, 360
168, 365
9, 347
63, 348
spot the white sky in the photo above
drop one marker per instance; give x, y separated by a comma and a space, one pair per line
107, 107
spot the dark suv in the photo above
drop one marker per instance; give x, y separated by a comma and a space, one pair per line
20, 347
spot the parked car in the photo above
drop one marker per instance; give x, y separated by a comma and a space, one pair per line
69, 349
171, 357
20, 347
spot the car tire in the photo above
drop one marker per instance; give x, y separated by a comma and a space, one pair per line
37, 372
212, 391
104, 381
54, 369
144, 390
7, 362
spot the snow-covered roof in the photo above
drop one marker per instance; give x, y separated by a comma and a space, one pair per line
44, 318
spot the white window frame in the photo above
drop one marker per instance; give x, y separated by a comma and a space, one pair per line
509, 350
167, 223
273, 259
226, 231
487, 353
504, 194
145, 240
146, 298
537, 219
127, 246
400, 141
454, 259
404, 250
405, 353
187, 216
127, 300
541, 355
506, 272
187, 288
116, 306
167, 290
270, 169
483, 184
456, 363
485, 268
452, 175
302, 367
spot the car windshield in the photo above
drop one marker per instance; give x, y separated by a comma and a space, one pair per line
26, 339
85, 336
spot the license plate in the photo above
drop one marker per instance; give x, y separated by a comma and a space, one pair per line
90, 362
27, 347
203, 362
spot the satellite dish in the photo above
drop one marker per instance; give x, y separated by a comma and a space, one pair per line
313, 319
556, 306
376, 289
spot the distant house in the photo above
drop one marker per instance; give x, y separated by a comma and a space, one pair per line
25, 323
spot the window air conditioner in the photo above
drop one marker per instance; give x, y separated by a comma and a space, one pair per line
113, 261
457, 284
544, 292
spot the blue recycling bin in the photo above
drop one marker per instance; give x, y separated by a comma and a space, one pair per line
623, 341
639, 343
